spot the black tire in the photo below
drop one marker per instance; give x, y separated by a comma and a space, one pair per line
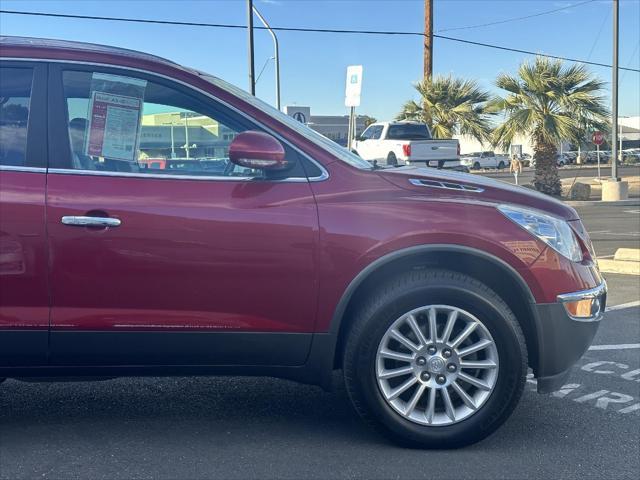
428, 287
476, 166
355, 152
501, 165
391, 159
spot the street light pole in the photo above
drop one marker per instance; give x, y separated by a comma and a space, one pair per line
614, 94
276, 54
252, 83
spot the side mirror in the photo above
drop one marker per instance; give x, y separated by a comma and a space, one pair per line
258, 150
360, 138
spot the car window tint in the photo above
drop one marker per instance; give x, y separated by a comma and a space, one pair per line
409, 131
367, 133
124, 124
15, 96
376, 132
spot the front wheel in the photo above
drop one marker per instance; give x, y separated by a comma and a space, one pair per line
476, 166
501, 165
435, 359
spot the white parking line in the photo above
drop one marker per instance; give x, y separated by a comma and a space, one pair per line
622, 306
622, 346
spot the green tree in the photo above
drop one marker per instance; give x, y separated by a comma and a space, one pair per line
548, 102
450, 106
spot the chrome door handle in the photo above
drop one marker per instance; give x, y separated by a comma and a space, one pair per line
90, 221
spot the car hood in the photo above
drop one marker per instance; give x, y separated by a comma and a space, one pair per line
457, 186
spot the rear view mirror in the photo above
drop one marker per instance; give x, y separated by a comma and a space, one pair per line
257, 150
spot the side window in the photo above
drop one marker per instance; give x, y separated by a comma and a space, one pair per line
376, 132
366, 135
125, 124
15, 97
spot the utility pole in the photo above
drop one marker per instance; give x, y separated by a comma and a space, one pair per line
428, 38
615, 188
614, 94
252, 73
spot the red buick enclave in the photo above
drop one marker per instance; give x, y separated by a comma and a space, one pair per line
252, 245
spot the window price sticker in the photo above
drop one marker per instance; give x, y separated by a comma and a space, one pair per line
115, 114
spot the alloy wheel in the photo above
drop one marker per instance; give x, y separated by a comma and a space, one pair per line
437, 365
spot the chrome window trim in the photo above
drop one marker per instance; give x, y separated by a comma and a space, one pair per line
14, 168
100, 173
323, 176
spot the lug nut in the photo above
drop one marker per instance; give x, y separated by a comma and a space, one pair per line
446, 353
425, 376
421, 361
451, 368
432, 350
441, 379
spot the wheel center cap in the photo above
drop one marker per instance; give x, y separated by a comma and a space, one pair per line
436, 364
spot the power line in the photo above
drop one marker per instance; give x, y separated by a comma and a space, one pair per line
514, 19
633, 54
605, 18
314, 30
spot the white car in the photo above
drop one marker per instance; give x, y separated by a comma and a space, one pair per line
403, 143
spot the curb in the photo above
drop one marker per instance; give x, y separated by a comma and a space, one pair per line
578, 203
625, 267
627, 254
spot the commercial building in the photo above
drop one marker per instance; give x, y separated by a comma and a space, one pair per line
629, 137
183, 135
334, 127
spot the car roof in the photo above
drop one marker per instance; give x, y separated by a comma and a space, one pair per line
65, 45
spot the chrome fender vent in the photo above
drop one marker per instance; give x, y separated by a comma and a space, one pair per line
446, 185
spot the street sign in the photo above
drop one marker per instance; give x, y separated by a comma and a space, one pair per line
354, 86
597, 138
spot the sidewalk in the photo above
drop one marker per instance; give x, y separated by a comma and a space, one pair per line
596, 187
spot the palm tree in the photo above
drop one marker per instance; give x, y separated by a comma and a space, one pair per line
450, 105
549, 102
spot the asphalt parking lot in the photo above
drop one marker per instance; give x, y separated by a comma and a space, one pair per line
242, 428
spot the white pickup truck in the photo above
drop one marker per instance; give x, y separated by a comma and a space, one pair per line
403, 143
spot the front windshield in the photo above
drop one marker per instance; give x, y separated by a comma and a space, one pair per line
338, 151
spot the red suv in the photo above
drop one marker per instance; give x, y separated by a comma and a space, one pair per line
263, 248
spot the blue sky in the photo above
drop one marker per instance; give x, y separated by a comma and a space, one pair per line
313, 64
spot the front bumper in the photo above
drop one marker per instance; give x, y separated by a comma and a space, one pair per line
565, 330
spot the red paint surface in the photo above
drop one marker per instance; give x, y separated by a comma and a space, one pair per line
24, 293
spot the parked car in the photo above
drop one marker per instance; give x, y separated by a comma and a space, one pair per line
404, 143
561, 160
432, 290
478, 160
631, 155
525, 158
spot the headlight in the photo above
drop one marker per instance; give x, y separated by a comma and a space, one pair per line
553, 231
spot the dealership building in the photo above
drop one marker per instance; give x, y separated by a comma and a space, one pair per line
334, 127
629, 137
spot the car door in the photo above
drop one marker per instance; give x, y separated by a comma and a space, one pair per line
188, 259
369, 143
24, 291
